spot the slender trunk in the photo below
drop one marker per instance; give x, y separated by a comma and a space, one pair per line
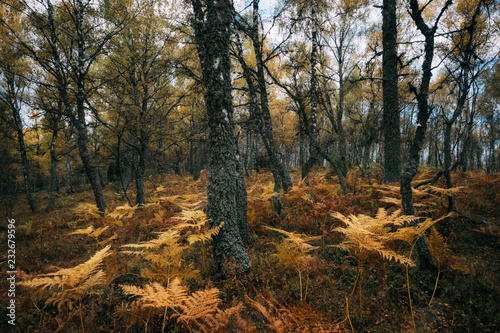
241, 199
90, 168
340, 116
366, 157
139, 177
261, 113
391, 117
69, 188
24, 159
267, 128
447, 161
53, 170
422, 121
313, 122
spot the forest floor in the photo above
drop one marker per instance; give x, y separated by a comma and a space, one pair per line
324, 277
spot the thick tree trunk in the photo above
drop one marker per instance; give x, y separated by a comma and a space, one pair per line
391, 117
212, 33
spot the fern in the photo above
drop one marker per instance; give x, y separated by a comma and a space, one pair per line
292, 253
86, 212
163, 238
167, 263
72, 284
198, 311
122, 212
366, 235
442, 254
284, 319
94, 233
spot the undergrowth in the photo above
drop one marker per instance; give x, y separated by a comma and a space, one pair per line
327, 263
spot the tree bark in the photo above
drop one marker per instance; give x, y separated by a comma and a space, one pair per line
313, 122
241, 199
53, 168
68, 188
391, 117
212, 34
140, 198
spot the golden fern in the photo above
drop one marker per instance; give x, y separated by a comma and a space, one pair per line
72, 283
166, 263
194, 218
205, 236
442, 254
284, 319
90, 231
156, 296
122, 212
293, 253
86, 211
164, 238
365, 234
94, 233
198, 311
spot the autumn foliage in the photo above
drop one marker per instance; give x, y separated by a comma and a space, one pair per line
330, 263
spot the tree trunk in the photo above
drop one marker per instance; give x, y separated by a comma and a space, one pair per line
313, 122
422, 117
69, 187
24, 158
90, 168
340, 116
390, 118
53, 170
241, 199
212, 34
262, 115
140, 198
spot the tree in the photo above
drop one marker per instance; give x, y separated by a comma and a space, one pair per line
260, 114
465, 64
422, 96
212, 33
391, 114
13, 83
141, 64
67, 40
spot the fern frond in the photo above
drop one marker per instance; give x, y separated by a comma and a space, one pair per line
445, 191
167, 237
195, 219
299, 240
207, 235
72, 283
365, 234
199, 307
86, 231
157, 296
442, 254
122, 212
86, 211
